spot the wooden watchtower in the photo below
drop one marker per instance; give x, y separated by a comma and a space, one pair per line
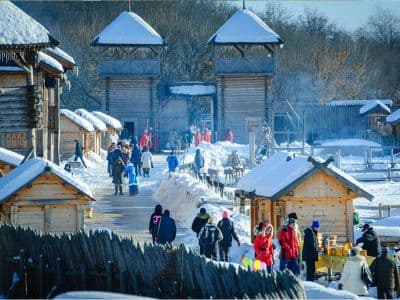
130, 71
244, 65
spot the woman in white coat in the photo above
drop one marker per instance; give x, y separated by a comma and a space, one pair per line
147, 161
351, 276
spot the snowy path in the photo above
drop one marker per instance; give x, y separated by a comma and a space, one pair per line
126, 215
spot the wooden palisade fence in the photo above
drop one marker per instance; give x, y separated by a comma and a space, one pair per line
34, 265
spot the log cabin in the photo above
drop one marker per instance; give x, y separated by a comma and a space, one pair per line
9, 160
30, 84
312, 188
130, 78
74, 127
113, 127
244, 66
40, 195
99, 127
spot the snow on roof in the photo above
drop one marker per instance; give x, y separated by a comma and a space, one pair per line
128, 29
110, 121
350, 143
394, 117
244, 27
192, 90
19, 29
372, 105
96, 122
15, 69
31, 169
10, 157
278, 172
60, 54
83, 123
387, 102
46, 60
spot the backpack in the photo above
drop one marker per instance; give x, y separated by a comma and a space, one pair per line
366, 275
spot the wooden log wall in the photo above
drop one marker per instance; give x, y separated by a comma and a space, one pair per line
102, 261
240, 100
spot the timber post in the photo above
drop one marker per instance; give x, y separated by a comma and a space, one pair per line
2, 272
109, 271
122, 282
41, 277
21, 273
83, 276
380, 211
59, 273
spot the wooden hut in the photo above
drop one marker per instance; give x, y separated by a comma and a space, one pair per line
394, 121
244, 65
99, 126
130, 80
40, 195
113, 126
9, 160
312, 188
30, 84
74, 127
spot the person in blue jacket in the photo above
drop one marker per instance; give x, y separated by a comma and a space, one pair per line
132, 180
136, 159
165, 229
172, 162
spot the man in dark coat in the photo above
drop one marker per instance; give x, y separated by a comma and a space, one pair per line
198, 223
78, 153
117, 170
209, 237
370, 241
310, 249
165, 229
198, 162
228, 232
136, 159
154, 218
385, 275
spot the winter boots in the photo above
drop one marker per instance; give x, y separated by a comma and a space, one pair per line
116, 189
120, 190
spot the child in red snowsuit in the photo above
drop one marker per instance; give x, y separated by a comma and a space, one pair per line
263, 246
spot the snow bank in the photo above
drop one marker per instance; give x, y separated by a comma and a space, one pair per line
59, 53
10, 157
388, 102
97, 123
295, 144
110, 121
350, 142
369, 106
317, 291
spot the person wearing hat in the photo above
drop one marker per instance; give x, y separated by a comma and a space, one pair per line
289, 248
228, 232
351, 279
370, 241
117, 170
310, 249
198, 223
263, 246
209, 237
385, 275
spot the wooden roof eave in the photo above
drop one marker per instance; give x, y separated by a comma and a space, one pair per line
49, 70
94, 43
212, 42
38, 46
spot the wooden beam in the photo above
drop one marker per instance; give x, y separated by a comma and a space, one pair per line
269, 49
239, 49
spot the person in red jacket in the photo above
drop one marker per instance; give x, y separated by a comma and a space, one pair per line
289, 248
145, 140
207, 136
198, 138
263, 246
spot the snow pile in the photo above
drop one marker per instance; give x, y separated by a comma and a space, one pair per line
387, 102
295, 145
110, 121
59, 53
368, 107
192, 90
350, 142
394, 117
81, 122
97, 123
245, 27
28, 171
10, 157
128, 29
47, 60
317, 291
18, 28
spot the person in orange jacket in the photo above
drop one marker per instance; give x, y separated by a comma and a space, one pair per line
289, 248
207, 136
198, 138
263, 246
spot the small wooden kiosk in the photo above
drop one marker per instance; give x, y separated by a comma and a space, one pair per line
74, 127
113, 126
99, 126
9, 160
310, 187
40, 195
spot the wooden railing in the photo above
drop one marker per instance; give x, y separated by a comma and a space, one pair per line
235, 66
130, 67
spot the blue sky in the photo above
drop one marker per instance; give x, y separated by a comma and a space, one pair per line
347, 14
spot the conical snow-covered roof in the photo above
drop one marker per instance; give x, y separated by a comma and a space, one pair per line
128, 29
244, 27
19, 30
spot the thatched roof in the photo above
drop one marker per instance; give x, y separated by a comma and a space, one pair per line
20, 31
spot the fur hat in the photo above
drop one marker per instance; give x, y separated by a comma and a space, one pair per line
203, 210
292, 215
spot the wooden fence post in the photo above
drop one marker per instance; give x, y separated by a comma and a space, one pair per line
109, 270
41, 277
21, 272
389, 210
380, 211
83, 277
3, 273
122, 282
59, 273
